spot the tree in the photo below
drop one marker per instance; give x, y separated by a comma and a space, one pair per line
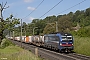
40, 24
9, 24
64, 23
1, 20
87, 13
50, 27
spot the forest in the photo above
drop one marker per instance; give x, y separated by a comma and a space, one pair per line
76, 23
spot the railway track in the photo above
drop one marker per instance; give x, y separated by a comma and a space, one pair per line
79, 56
52, 55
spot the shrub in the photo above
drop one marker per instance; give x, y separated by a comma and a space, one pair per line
5, 43
83, 32
82, 45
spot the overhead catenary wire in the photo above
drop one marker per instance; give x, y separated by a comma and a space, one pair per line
34, 9
51, 8
72, 6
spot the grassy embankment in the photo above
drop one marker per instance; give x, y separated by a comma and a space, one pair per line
14, 52
82, 45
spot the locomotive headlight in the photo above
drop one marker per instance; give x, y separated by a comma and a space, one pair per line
72, 44
60, 43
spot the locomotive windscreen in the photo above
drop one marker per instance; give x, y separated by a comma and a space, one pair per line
67, 38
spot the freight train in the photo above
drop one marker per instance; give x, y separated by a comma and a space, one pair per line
56, 41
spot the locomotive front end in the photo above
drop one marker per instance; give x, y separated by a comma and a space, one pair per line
66, 42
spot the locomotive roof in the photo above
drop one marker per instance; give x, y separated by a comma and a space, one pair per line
53, 34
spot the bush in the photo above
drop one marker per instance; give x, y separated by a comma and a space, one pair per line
5, 43
82, 45
83, 32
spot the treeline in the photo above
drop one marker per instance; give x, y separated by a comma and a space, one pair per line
60, 23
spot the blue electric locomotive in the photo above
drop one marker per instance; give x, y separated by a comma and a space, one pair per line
59, 41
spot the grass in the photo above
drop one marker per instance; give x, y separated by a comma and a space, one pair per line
82, 45
16, 53
10, 51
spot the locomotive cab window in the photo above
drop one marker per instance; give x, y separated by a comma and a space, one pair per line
66, 38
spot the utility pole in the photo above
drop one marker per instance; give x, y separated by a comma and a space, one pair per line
21, 33
56, 27
34, 29
13, 34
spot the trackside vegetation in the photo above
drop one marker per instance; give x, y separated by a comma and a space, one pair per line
82, 41
12, 52
82, 45
6, 43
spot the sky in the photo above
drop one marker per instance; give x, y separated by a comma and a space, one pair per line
22, 8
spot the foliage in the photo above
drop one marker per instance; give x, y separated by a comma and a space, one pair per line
11, 22
82, 45
83, 32
5, 43
17, 53
64, 23
7, 25
49, 28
